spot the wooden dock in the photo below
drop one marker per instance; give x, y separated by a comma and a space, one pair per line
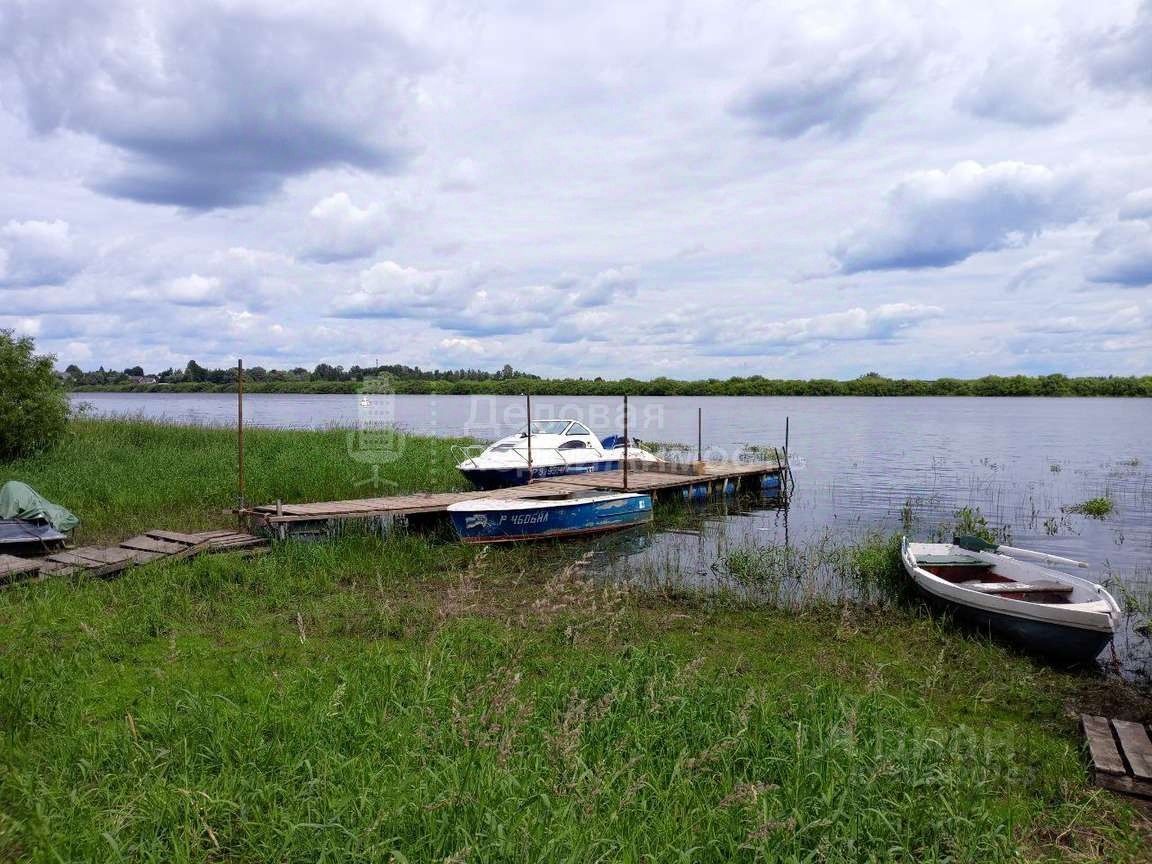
655, 478
108, 561
1121, 754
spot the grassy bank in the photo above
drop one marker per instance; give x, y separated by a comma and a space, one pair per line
407, 701
413, 700
125, 476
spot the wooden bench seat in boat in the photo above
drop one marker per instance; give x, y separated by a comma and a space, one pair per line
956, 568
951, 561
1043, 587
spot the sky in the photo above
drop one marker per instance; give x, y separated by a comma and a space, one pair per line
790, 189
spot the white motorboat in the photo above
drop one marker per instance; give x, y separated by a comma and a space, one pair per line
548, 448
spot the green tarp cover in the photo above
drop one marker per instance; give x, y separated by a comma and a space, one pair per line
20, 501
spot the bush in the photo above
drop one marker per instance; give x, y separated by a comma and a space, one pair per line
33, 404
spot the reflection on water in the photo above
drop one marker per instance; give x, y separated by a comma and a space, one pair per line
861, 465
751, 550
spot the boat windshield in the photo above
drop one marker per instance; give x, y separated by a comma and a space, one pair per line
546, 427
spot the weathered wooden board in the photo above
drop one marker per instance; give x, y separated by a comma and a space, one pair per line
1101, 745
57, 568
99, 555
1122, 763
174, 537
140, 556
1136, 746
151, 544
13, 568
78, 563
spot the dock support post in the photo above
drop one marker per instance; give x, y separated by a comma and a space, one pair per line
699, 434
625, 442
528, 408
240, 437
787, 464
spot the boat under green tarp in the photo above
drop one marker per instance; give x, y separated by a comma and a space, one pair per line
20, 501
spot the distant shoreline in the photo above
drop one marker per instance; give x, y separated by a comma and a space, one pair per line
992, 386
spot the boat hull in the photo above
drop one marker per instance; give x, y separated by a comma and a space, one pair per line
1070, 619
502, 478
1060, 643
549, 522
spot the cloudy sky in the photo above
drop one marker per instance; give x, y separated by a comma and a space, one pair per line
686, 189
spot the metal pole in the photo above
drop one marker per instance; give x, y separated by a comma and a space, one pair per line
625, 442
787, 462
528, 400
240, 431
699, 434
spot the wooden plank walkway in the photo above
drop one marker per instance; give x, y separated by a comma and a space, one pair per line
670, 476
1121, 753
104, 562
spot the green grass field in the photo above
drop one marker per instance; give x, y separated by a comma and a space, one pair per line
414, 700
125, 476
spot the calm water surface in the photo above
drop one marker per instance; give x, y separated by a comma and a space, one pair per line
860, 464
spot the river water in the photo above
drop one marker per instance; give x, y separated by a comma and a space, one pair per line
860, 465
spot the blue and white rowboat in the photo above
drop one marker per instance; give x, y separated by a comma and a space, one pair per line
505, 520
1044, 611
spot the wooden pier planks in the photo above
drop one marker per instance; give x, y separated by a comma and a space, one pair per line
14, 569
104, 562
1121, 754
639, 480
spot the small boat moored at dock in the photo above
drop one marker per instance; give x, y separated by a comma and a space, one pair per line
1043, 611
504, 520
548, 448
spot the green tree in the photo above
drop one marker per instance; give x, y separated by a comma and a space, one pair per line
33, 404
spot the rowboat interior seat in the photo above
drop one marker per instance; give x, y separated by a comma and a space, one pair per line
1039, 587
957, 568
952, 560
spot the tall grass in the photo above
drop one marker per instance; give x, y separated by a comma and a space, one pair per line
407, 701
130, 475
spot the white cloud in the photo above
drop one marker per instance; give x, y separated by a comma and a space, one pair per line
343, 231
1122, 255
851, 325
211, 105
1129, 319
1121, 57
37, 253
1137, 205
390, 290
606, 287
463, 176
678, 165
1026, 90
194, 290
938, 218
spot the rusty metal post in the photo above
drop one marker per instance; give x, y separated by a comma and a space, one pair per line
625, 442
787, 464
699, 434
240, 435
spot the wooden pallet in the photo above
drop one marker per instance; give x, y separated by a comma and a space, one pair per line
106, 562
1121, 754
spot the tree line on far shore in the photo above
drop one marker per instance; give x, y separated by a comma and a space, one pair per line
193, 375
508, 381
